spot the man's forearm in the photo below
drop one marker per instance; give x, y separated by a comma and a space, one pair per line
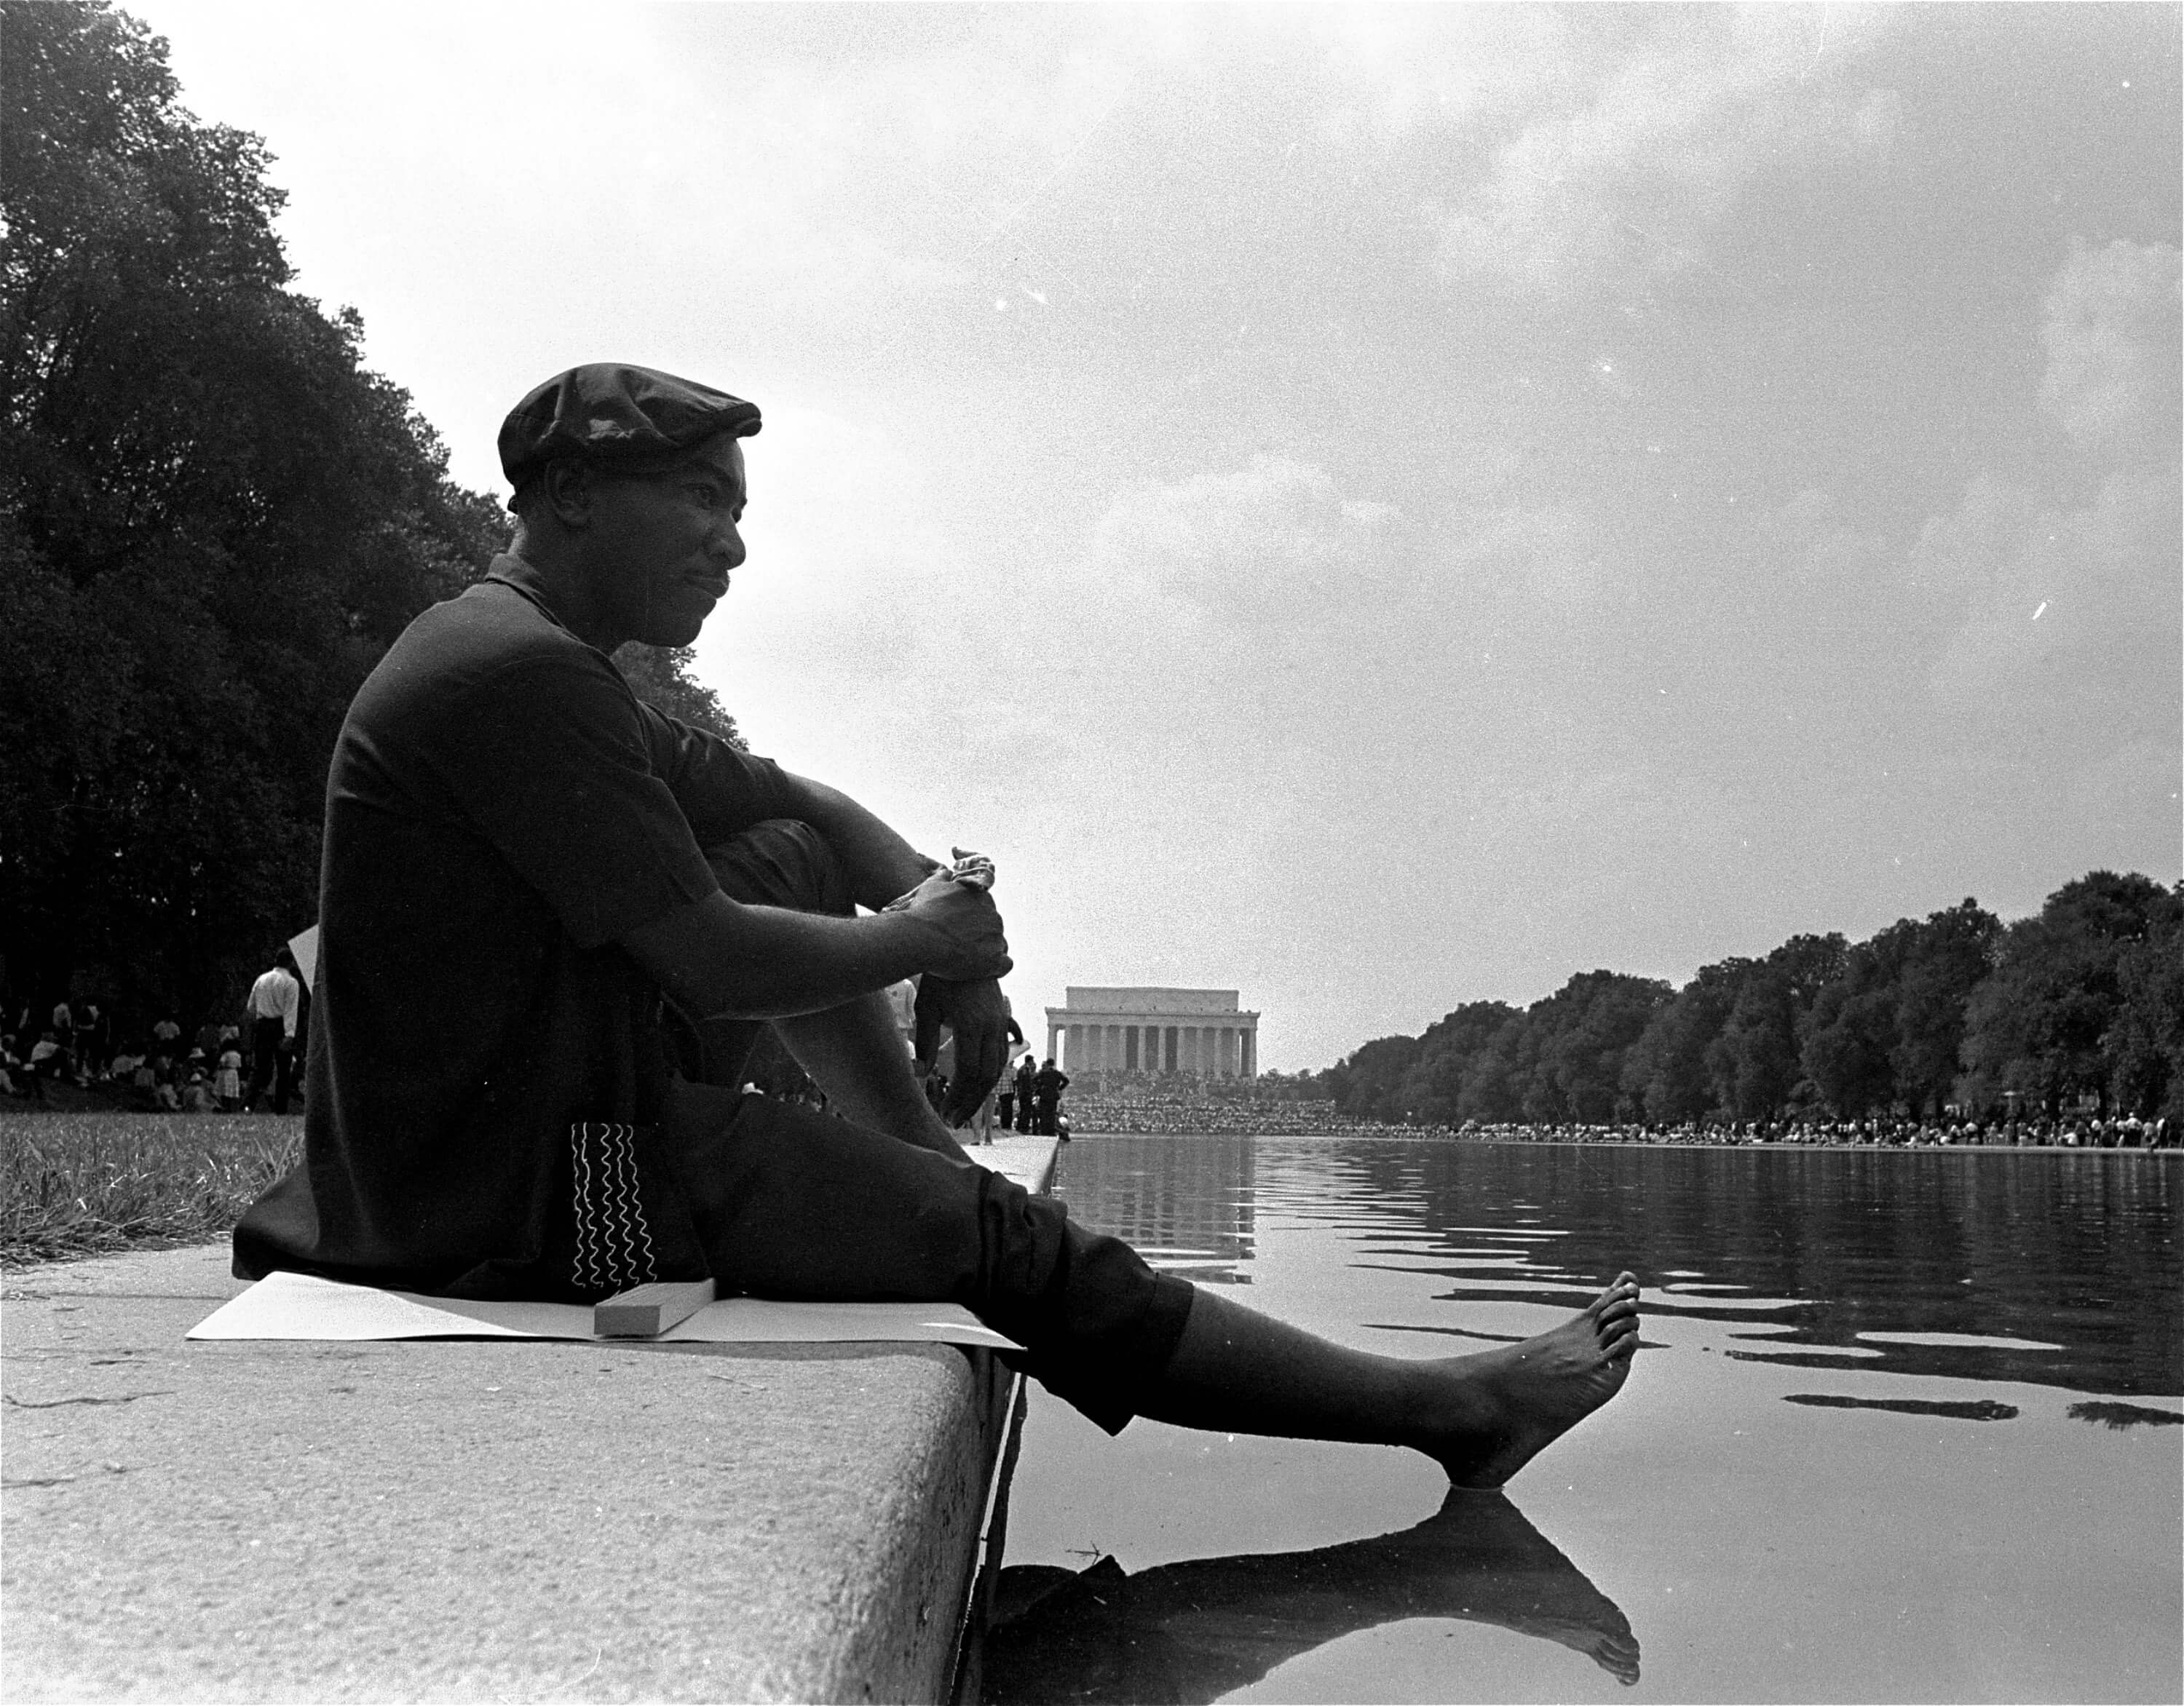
855, 1054
879, 863
718, 958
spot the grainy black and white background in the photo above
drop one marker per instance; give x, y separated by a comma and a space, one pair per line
1371, 507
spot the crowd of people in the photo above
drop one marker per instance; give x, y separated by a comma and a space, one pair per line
1152, 1106
2067, 1132
254, 1064
1027, 1099
246, 1064
1155, 1107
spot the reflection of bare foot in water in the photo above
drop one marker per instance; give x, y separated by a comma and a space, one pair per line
1509, 1404
1515, 1576
1195, 1630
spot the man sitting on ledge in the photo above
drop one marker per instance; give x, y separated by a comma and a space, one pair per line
552, 920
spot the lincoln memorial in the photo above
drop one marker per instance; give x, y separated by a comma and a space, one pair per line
1198, 1032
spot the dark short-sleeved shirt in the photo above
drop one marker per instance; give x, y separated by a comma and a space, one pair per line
500, 807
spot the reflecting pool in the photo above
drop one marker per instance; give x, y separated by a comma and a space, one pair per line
1904, 1427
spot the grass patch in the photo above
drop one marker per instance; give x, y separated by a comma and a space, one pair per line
85, 1184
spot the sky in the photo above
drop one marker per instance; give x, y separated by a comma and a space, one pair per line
1375, 509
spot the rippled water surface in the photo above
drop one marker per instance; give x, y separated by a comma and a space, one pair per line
1905, 1428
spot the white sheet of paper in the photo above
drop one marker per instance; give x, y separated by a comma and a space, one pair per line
301, 1306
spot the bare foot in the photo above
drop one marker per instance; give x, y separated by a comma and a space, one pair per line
1505, 1406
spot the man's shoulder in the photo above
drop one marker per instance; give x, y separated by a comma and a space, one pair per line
489, 624
490, 638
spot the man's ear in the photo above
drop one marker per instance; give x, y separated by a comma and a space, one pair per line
568, 490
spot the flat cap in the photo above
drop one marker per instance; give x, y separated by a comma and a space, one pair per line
606, 412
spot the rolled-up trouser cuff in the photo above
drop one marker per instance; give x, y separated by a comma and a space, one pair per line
1109, 1383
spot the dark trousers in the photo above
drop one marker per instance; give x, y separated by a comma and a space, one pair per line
269, 1066
793, 1203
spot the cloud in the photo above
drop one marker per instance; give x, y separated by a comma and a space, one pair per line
1624, 184
1411, 68
830, 644
1274, 541
2110, 333
2071, 624
1551, 554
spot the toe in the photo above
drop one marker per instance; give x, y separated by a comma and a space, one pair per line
1624, 1288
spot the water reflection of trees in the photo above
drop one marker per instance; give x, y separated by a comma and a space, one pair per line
2075, 1250
1957, 1410
2120, 1416
1195, 1630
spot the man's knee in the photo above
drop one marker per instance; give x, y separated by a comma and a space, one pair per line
783, 861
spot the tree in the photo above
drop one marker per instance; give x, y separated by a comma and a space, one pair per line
1433, 1089
1889, 1027
2041, 1025
1664, 1072
1493, 1088
214, 520
2145, 1044
2087, 997
1367, 1085
1947, 957
1754, 1065
1851, 1032
1579, 1037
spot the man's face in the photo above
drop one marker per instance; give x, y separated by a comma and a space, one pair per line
664, 541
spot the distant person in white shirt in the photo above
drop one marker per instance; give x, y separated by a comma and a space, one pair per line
275, 1000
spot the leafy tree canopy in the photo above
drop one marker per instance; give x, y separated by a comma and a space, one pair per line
2086, 998
213, 519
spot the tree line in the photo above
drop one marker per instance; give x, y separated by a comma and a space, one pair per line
2083, 1000
214, 520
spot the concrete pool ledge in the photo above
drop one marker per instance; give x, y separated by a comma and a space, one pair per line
478, 1519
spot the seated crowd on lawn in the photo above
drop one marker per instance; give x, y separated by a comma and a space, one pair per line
153, 1073
243, 1065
